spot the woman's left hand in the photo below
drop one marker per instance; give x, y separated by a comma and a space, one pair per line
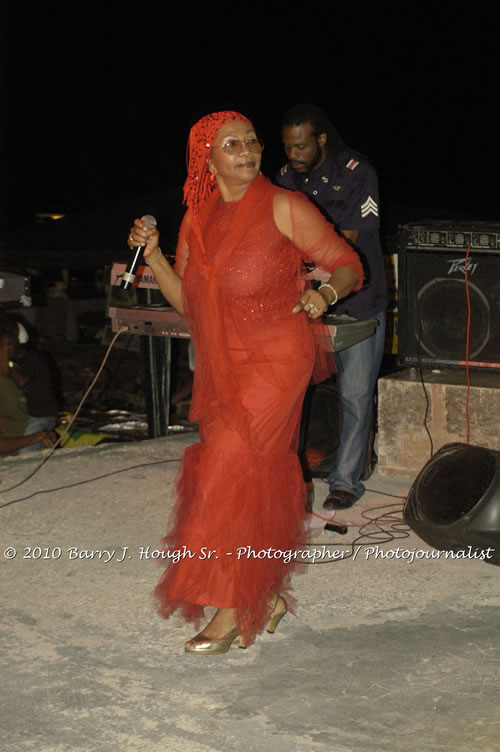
313, 303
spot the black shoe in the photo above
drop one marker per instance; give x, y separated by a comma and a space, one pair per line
338, 499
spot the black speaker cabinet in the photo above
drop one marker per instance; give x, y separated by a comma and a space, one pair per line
433, 296
454, 504
319, 433
319, 429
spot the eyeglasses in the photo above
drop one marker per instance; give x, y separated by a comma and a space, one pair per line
233, 145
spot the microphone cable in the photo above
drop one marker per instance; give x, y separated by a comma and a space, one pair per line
88, 480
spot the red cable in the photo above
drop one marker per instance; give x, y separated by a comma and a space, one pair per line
467, 440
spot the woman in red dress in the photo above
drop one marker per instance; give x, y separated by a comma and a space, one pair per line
240, 505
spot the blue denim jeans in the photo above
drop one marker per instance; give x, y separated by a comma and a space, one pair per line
358, 368
46, 423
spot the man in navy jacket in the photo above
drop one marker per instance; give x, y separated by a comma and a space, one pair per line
344, 186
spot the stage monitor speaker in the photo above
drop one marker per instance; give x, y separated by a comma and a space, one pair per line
319, 432
319, 429
433, 308
454, 504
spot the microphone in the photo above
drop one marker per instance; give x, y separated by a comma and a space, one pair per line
129, 275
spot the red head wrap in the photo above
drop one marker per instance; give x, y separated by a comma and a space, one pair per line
201, 138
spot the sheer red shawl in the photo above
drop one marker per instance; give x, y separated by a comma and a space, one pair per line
214, 377
210, 308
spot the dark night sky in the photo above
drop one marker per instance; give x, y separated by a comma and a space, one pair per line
101, 101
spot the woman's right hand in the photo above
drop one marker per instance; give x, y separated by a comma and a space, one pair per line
166, 278
140, 235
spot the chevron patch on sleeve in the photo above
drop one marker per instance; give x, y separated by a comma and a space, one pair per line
370, 206
352, 164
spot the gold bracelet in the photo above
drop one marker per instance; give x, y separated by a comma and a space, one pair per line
150, 263
336, 297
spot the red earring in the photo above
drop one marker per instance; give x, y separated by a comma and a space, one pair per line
212, 177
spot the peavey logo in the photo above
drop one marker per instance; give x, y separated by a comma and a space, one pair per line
458, 265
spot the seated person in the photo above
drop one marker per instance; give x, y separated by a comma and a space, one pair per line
13, 411
30, 371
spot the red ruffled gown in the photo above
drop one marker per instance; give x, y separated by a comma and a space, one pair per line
241, 499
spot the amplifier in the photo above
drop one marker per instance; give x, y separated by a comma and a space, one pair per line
446, 235
434, 298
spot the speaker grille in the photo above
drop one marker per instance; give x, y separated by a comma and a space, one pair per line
442, 328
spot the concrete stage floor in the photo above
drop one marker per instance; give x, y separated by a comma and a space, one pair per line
383, 654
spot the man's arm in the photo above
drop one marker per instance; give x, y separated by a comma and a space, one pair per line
13, 443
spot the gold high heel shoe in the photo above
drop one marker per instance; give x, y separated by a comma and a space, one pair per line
275, 620
213, 645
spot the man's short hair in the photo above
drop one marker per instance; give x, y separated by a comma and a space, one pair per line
309, 113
